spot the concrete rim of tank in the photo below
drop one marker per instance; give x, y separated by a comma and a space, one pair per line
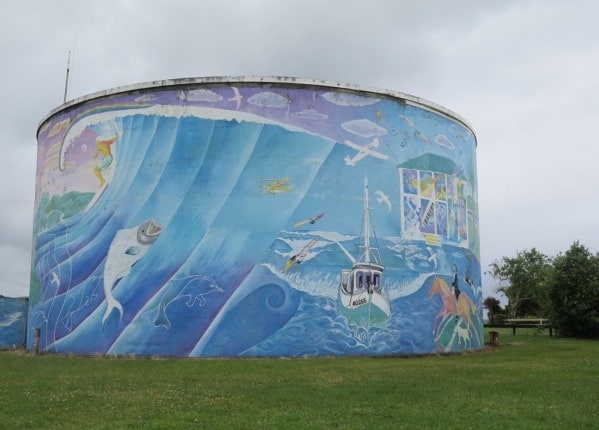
275, 80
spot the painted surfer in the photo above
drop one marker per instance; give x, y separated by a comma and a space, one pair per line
103, 148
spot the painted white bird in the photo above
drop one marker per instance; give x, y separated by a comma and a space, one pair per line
383, 198
236, 98
433, 257
55, 279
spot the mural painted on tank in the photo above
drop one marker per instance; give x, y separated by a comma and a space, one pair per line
13, 320
255, 220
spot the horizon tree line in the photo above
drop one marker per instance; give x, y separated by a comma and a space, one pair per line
563, 289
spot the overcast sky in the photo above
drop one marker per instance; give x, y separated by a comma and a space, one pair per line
523, 73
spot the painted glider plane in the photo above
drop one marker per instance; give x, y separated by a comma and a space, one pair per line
363, 151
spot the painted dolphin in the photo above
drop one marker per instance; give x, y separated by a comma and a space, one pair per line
192, 289
126, 249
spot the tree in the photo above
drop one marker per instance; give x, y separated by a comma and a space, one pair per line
524, 280
575, 292
494, 309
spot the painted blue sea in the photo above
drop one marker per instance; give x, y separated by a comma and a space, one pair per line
228, 193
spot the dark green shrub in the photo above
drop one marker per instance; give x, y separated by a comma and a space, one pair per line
575, 293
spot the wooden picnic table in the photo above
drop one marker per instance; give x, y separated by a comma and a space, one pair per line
538, 323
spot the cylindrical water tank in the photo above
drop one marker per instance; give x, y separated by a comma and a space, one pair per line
255, 216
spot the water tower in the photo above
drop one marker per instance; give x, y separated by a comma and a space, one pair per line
255, 216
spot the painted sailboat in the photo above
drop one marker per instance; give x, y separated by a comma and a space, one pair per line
361, 298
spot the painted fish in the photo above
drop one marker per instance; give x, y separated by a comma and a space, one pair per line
126, 249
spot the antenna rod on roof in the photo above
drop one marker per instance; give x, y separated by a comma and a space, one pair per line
66, 83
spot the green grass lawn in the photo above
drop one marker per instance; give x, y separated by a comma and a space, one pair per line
528, 382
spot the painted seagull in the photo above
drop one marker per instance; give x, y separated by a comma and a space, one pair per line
383, 198
236, 98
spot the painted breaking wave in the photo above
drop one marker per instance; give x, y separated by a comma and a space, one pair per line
192, 176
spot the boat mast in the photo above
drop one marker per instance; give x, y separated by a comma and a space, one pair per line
366, 222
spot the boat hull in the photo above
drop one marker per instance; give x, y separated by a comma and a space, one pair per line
364, 309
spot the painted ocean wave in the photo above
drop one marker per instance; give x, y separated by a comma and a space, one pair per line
204, 181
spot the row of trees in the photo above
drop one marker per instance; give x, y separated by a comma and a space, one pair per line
564, 288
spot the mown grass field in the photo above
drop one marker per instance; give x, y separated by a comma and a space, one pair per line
528, 382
